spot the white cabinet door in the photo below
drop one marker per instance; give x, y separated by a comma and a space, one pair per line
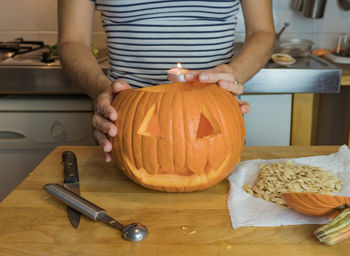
269, 120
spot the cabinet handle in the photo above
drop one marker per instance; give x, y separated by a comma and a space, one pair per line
11, 135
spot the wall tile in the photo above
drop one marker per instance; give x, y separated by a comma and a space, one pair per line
97, 26
17, 15
325, 40
99, 39
46, 14
37, 19
49, 37
11, 35
335, 20
298, 23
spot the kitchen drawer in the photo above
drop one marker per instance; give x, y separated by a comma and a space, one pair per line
45, 130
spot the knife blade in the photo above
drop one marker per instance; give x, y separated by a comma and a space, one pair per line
71, 182
131, 232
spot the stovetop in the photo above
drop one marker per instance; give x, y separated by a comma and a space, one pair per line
31, 58
25, 73
33, 53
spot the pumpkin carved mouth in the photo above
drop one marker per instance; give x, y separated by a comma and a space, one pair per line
189, 180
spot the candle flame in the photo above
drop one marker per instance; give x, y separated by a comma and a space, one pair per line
179, 65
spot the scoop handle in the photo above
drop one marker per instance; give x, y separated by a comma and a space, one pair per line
78, 203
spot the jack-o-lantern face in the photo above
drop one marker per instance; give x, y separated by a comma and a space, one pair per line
178, 137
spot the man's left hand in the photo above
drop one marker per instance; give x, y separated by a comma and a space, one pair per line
223, 77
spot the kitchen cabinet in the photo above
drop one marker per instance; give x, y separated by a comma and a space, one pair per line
269, 121
306, 116
32, 125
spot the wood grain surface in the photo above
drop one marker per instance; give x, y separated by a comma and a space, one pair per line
34, 223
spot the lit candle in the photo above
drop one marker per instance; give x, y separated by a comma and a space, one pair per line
177, 74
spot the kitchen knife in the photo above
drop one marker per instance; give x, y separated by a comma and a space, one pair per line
71, 182
131, 232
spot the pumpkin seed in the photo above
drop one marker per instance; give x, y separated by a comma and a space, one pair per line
276, 178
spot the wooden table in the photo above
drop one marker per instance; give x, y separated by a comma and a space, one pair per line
34, 223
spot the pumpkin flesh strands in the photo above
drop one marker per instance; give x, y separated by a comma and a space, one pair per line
335, 231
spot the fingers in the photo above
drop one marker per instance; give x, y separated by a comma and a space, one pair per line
108, 157
104, 116
104, 107
245, 106
208, 76
104, 125
120, 85
104, 143
103, 101
192, 75
224, 80
231, 86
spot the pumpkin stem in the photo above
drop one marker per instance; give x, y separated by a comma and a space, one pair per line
335, 231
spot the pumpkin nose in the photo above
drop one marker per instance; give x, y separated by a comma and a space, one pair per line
207, 126
150, 124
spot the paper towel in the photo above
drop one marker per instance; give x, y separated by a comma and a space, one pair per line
246, 210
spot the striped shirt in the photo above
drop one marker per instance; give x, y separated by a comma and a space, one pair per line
147, 37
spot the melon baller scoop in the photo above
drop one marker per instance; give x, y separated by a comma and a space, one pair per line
131, 232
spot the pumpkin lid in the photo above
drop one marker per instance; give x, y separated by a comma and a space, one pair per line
315, 204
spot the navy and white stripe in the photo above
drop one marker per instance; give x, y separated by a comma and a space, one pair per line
147, 37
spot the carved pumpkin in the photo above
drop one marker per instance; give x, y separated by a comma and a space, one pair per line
177, 137
314, 204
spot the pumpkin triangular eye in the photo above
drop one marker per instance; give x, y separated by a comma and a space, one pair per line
150, 124
208, 126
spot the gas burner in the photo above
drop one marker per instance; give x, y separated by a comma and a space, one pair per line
26, 53
20, 46
47, 56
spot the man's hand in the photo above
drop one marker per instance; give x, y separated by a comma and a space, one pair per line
223, 77
105, 116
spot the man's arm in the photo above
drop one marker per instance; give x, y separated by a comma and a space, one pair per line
74, 41
257, 49
75, 26
260, 39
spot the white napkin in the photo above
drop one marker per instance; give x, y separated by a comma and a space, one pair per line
246, 210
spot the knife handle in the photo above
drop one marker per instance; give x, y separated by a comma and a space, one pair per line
73, 200
70, 167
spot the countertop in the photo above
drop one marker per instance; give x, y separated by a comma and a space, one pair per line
34, 223
345, 75
307, 75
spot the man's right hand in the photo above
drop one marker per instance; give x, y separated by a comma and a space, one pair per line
105, 116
